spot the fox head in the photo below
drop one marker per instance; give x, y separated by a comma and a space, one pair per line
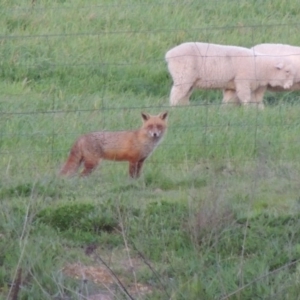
155, 126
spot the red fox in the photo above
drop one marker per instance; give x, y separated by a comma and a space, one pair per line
133, 146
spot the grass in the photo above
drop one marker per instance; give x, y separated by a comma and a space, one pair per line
215, 214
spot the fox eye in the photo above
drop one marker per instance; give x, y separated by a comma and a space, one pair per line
159, 127
150, 127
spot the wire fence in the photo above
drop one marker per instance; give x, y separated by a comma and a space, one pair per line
59, 84
56, 86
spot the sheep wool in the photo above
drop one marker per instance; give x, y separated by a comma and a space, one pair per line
291, 52
211, 66
279, 50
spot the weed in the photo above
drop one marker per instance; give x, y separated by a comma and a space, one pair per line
215, 214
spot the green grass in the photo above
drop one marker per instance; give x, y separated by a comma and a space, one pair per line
215, 214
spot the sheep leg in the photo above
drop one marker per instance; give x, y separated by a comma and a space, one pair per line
243, 93
258, 97
180, 94
229, 96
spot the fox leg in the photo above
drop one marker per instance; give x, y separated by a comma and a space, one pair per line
89, 166
135, 168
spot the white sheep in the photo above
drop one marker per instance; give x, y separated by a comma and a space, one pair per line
210, 66
278, 50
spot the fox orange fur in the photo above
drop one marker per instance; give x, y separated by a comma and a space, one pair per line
133, 146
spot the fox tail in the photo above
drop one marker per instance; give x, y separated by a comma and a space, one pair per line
73, 162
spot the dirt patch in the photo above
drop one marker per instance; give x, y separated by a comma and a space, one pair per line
101, 276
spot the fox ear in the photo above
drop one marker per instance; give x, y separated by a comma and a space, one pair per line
163, 115
145, 116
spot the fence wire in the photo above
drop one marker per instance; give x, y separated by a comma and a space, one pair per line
42, 125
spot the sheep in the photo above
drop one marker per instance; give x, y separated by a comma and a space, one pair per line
292, 52
211, 66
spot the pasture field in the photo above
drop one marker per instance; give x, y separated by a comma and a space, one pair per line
216, 212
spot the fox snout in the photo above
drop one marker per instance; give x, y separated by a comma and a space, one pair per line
155, 131
155, 134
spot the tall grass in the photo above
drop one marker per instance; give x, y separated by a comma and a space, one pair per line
215, 214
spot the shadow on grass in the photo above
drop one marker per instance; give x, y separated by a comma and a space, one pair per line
157, 180
44, 189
